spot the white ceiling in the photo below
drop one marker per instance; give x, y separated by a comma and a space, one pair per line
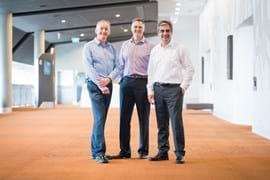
166, 8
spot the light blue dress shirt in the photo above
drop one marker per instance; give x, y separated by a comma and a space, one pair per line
100, 61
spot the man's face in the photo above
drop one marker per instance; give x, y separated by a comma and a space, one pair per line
103, 30
165, 34
137, 29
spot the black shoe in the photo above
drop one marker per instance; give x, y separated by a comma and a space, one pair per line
119, 156
108, 157
100, 159
180, 159
159, 157
142, 156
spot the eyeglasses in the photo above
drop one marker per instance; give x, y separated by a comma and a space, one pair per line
162, 30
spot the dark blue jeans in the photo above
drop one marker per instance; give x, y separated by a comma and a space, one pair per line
168, 105
133, 91
100, 106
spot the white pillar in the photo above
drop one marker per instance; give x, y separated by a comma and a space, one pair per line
5, 62
39, 49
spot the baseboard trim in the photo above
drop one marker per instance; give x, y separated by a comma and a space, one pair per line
6, 110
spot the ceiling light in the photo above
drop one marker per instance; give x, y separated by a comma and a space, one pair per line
176, 13
63, 21
117, 15
82, 34
177, 9
125, 30
178, 4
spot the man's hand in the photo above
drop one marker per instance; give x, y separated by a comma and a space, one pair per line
104, 81
105, 90
183, 91
151, 99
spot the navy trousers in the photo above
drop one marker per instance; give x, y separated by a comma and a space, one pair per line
133, 91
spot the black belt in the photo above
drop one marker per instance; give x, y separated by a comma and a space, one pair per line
166, 84
137, 76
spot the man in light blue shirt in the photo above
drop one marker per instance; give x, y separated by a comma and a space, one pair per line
100, 63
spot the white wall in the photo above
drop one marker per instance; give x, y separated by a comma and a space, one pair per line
68, 58
261, 123
248, 21
186, 31
243, 98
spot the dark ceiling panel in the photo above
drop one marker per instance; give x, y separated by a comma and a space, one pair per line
81, 17
25, 53
23, 48
23, 6
17, 35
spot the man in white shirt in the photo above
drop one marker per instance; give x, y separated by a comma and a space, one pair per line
170, 73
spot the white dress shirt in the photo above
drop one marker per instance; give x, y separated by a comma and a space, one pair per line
170, 64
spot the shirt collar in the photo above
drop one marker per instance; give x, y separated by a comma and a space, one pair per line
168, 45
141, 41
98, 42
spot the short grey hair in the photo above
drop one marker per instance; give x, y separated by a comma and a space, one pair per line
103, 20
138, 19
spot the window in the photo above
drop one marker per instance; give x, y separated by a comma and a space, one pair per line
230, 57
47, 68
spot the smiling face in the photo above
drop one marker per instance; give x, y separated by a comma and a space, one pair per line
137, 29
165, 34
103, 30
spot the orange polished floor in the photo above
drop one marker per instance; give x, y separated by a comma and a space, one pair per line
54, 144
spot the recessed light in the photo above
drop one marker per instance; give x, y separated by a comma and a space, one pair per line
125, 30
82, 34
177, 9
176, 13
117, 15
178, 4
63, 21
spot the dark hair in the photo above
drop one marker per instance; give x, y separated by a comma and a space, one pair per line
137, 19
165, 22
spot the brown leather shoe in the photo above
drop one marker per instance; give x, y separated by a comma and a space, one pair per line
159, 157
